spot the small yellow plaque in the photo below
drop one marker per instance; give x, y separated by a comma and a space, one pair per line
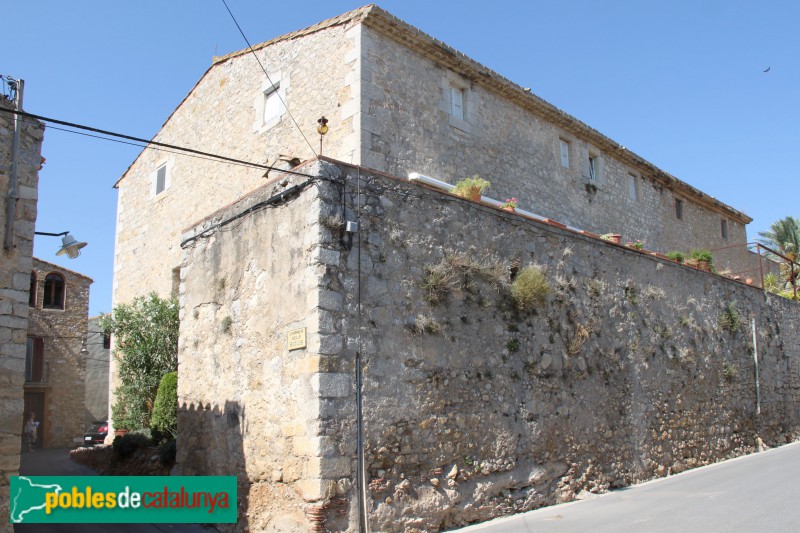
297, 339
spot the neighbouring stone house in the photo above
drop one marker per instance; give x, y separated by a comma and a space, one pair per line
15, 267
472, 408
55, 357
98, 356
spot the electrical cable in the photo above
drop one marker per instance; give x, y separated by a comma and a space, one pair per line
150, 143
165, 150
269, 202
250, 46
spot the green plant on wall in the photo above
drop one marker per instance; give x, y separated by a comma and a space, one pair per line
471, 188
730, 319
676, 256
146, 347
530, 288
729, 372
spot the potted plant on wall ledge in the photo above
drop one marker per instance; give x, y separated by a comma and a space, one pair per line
510, 205
471, 188
616, 238
704, 259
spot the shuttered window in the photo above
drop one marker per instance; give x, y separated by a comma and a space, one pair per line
564, 153
34, 360
457, 102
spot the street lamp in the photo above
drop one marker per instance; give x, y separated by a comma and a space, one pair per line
69, 245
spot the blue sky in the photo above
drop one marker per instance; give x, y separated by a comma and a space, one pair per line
680, 83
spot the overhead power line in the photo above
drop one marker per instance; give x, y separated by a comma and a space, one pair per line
148, 143
260, 64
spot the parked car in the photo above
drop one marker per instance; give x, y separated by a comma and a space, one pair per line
96, 433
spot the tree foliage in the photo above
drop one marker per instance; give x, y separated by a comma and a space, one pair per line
783, 236
146, 348
165, 410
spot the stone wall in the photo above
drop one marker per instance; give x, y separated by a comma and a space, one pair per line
407, 127
248, 406
64, 334
632, 367
15, 268
107, 462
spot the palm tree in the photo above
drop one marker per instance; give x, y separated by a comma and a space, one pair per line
783, 236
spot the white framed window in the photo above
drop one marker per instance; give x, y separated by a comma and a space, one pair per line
564, 148
633, 187
161, 178
457, 102
270, 103
273, 107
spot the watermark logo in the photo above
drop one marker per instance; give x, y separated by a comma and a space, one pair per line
122, 499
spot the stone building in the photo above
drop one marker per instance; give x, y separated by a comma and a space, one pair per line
15, 268
398, 101
472, 408
55, 358
98, 356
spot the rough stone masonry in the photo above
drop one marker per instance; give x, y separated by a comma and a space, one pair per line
15, 271
631, 368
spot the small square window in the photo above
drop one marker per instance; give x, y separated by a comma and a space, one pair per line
161, 178
678, 209
564, 146
457, 102
724, 228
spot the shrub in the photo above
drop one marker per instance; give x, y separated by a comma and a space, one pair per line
165, 409
167, 452
530, 288
129, 443
676, 256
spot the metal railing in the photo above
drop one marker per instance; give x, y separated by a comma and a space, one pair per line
769, 262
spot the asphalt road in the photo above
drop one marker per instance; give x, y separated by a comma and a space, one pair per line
56, 462
757, 492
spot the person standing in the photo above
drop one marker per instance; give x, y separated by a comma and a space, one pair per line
30, 431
